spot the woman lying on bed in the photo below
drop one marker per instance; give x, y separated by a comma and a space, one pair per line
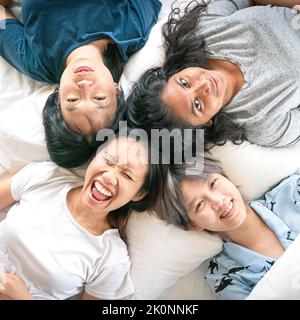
82, 45
254, 234
62, 237
229, 67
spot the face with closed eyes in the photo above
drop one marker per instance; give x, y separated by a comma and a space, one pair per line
214, 204
195, 95
115, 176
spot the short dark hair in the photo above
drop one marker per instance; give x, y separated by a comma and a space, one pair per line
113, 61
67, 148
184, 48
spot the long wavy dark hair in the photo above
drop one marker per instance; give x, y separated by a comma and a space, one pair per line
184, 48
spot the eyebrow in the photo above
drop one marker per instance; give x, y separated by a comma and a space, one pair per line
192, 103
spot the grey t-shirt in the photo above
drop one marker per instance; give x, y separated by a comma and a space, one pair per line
265, 43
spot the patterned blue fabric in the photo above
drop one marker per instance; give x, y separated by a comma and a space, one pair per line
52, 29
236, 270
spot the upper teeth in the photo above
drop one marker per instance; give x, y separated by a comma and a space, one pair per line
228, 209
102, 190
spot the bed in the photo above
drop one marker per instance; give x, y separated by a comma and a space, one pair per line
167, 263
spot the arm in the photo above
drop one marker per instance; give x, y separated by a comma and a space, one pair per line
281, 3
6, 198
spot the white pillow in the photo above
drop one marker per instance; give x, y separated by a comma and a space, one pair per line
256, 169
162, 253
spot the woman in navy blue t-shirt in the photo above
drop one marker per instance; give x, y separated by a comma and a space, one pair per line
82, 45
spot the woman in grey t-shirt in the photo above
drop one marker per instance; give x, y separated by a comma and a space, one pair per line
231, 67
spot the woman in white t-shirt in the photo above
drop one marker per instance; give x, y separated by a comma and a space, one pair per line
63, 236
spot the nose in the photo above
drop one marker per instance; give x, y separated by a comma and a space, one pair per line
203, 87
218, 202
84, 84
110, 177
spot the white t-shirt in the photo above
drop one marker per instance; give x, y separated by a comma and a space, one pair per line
56, 256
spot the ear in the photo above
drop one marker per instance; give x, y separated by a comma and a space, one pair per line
119, 89
139, 196
208, 123
194, 228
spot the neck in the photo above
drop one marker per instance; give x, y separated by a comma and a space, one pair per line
247, 234
94, 222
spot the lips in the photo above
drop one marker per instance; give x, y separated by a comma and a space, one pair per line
83, 69
99, 192
229, 211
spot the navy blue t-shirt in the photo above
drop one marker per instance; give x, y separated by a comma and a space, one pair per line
52, 29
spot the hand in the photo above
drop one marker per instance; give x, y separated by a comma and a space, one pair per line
13, 288
297, 7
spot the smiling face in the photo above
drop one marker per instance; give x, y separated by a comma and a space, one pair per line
115, 176
214, 204
88, 96
195, 95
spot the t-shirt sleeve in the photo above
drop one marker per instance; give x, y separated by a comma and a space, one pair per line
226, 282
30, 177
15, 51
12, 44
112, 282
225, 7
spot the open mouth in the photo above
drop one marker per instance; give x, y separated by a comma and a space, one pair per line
83, 69
230, 210
99, 192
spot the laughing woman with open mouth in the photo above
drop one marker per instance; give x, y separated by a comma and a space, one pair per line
63, 236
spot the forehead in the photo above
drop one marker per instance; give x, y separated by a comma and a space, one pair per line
190, 187
127, 151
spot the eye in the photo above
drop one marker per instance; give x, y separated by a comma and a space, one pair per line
199, 206
72, 99
213, 183
184, 83
99, 98
127, 176
197, 105
107, 161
